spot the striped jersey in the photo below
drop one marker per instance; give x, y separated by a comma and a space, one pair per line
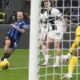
15, 34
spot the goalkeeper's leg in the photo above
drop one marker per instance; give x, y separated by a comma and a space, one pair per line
73, 47
72, 63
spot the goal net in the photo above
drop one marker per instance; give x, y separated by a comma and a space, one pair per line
70, 10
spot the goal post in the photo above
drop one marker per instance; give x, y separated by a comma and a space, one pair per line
71, 13
33, 50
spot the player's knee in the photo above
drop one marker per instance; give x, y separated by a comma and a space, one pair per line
7, 45
57, 46
47, 44
7, 42
44, 46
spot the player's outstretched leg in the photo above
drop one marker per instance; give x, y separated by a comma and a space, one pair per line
72, 63
46, 60
71, 50
57, 53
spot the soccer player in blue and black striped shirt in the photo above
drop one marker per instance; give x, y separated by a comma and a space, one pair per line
13, 35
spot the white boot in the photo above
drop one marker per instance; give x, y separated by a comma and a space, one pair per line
64, 58
46, 60
67, 76
56, 64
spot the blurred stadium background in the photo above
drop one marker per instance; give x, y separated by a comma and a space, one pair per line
9, 8
18, 69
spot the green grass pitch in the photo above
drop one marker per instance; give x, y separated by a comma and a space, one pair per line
18, 69
50, 73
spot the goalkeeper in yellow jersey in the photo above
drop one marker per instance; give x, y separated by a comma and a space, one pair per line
72, 56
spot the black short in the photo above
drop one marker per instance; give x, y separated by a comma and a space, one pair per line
13, 44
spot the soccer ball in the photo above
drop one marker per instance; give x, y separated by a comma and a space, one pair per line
4, 64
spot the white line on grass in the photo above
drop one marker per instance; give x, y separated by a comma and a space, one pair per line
18, 68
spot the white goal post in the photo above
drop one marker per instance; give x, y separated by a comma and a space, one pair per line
33, 52
71, 13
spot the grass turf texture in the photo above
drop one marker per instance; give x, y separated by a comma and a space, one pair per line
18, 69
18, 66
50, 73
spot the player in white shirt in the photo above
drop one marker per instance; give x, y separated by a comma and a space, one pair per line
44, 29
55, 18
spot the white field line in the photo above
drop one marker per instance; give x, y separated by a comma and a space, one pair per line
18, 68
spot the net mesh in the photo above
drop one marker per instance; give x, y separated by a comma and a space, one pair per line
71, 11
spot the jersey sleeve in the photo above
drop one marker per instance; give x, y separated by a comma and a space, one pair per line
43, 16
59, 14
56, 12
24, 26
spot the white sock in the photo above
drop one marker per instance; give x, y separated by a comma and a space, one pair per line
57, 60
70, 75
43, 52
46, 58
66, 57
